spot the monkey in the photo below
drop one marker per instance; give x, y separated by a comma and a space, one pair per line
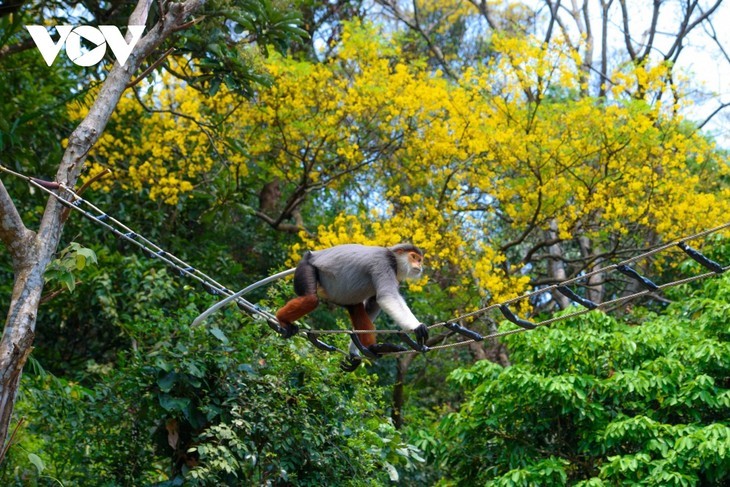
363, 280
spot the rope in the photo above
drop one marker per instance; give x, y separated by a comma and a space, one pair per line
606, 269
124, 232
568, 316
215, 288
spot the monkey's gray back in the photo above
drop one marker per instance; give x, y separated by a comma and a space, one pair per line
348, 273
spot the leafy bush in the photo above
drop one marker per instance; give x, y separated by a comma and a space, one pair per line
227, 404
592, 401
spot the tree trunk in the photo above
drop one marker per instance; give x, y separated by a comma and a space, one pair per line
31, 252
594, 285
556, 267
402, 366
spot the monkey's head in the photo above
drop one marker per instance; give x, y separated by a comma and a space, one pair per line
409, 260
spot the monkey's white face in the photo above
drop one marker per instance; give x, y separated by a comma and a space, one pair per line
410, 265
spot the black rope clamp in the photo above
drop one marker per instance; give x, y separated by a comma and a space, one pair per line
374, 352
698, 257
363, 349
628, 271
471, 334
350, 363
527, 325
213, 291
320, 344
568, 293
184, 271
419, 345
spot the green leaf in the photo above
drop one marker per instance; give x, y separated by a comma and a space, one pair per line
218, 333
392, 472
80, 262
37, 461
171, 404
68, 280
167, 382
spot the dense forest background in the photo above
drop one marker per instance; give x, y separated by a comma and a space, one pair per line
519, 144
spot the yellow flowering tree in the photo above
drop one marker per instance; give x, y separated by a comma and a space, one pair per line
512, 172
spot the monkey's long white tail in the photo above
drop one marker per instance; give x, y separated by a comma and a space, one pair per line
237, 295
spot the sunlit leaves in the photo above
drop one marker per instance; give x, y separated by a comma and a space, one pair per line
615, 403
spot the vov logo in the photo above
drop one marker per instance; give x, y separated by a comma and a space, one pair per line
101, 37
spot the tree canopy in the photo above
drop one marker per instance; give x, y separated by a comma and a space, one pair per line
519, 144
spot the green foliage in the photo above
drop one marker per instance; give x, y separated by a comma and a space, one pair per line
228, 404
218, 45
591, 401
70, 261
133, 396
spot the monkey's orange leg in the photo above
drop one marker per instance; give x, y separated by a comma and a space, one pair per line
361, 321
295, 309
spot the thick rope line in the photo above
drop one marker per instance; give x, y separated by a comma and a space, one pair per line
124, 232
568, 316
573, 280
154, 251
607, 269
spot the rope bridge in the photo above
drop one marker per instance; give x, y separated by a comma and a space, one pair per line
213, 287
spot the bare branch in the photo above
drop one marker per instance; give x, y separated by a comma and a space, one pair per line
150, 68
279, 225
710, 30
483, 7
553, 19
688, 26
715, 112
605, 6
415, 25
627, 35
652, 29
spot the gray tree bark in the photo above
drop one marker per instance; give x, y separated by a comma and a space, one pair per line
31, 251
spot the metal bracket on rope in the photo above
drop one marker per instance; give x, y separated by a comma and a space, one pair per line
528, 325
568, 293
287, 332
471, 334
377, 350
698, 257
213, 291
628, 271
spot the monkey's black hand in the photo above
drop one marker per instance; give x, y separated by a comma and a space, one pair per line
350, 363
287, 331
419, 344
422, 335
